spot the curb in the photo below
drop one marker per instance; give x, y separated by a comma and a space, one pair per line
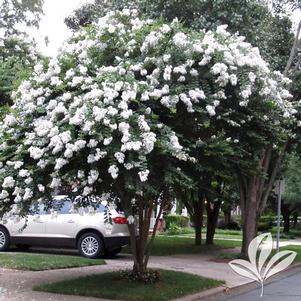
204, 294
243, 288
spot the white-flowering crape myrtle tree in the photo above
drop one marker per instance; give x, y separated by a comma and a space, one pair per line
120, 110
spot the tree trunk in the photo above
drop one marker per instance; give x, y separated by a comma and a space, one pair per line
295, 217
250, 214
198, 221
140, 242
212, 209
194, 203
227, 218
286, 213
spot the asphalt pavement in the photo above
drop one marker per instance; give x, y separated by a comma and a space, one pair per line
286, 287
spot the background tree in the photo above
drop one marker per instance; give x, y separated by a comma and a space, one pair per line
18, 55
17, 13
18, 52
291, 198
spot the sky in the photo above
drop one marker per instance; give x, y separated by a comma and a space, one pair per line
52, 24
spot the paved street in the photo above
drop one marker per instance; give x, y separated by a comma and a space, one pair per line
286, 287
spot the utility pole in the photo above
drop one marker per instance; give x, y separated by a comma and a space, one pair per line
280, 190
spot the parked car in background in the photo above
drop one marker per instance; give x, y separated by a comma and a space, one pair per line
62, 227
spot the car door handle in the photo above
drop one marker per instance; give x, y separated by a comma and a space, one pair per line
39, 222
71, 221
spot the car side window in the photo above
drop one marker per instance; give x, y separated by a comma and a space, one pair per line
62, 206
101, 208
42, 210
65, 209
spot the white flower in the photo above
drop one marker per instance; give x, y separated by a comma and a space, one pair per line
4, 194
9, 120
130, 219
219, 68
55, 183
211, 110
107, 141
143, 175
233, 79
87, 191
35, 152
167, 73
175, 142
180, 39
24, 173
41, 187
113, 170
43, 127
92, 143
28, 194
79, 144
80, 174
65, 136
120, 157
8, 182
18, 164
252, 77
59, 163
93, 176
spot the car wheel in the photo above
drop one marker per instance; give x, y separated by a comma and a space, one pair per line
112, 253
4, 239
23, 247
90, 245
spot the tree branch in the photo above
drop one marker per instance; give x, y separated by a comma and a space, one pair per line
293, 51
150, 243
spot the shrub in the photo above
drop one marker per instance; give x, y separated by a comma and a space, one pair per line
174, 220
149, 277
264, 226
233, 225
266, 223
176, 230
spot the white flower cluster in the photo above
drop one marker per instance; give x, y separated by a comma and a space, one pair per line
106, 121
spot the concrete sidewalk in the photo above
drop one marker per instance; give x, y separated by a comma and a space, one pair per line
17, 285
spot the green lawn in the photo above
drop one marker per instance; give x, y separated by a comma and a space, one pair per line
37, 262
112, 286
219, 234
231, 256
170, 245
291, 235
296, 249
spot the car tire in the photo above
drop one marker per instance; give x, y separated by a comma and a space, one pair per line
112, 253
90, 245
22, 247
4, 239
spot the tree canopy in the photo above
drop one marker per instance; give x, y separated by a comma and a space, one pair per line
114, 97
17, 57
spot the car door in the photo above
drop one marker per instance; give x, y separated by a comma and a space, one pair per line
30, 226
63, 223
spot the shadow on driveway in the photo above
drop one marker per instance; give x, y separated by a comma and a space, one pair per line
57, 251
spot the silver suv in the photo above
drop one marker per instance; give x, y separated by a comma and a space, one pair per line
64, 228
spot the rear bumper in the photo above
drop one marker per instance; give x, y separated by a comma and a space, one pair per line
115, 242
